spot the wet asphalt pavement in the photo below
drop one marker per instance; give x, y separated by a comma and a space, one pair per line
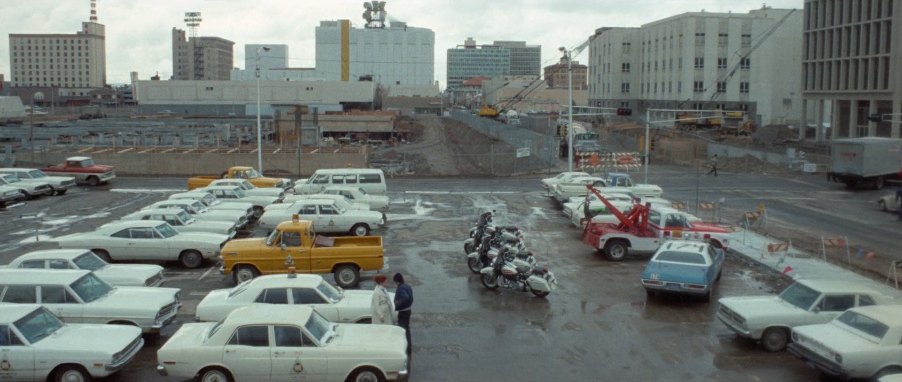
597, 326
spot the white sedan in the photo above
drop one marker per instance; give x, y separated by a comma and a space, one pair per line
35, 345
214, 204
359, 195
199, 211
561, 178
60, 184
114, 274
28, 188
183, 221
284, 343
335, 305
326, 217
147, 240
249, 188
888, 203
340, 200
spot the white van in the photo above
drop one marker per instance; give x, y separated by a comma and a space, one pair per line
371, 180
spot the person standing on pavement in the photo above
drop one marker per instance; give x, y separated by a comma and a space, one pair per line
713, 166
403, 303
899, 196
381, 306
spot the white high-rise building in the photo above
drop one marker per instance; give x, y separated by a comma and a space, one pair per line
394, 54
74, 62
705, 61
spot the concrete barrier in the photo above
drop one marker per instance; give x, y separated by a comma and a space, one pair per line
200, 163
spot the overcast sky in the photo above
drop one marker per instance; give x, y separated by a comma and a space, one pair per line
138, 32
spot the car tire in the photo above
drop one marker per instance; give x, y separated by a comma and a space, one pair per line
61, 192
49, 192
891, 370
103, 254
244, 273
774, 339
215, 374
191, 259
93, 181
366, 374
616, 250
73, 373
360, 229
258, 212
347, 276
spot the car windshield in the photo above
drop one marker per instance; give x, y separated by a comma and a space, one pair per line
272, 237
87, 163
864, 324
35, 174
800, 296
240, 193
215, 328
89, 261
209, 200
319, 328
10, 178
198, 207
341, 210
245, 185
90, 288
329, 291
185, 217
681, 257
252, 173
38, 324
239, 288
166, 230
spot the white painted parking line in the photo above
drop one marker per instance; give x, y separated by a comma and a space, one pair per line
206, 273
461, 192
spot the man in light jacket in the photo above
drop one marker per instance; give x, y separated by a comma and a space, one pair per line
382, 305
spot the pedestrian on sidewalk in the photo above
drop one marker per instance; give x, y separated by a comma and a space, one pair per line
899, 196
403, 303
713, 165
381, 306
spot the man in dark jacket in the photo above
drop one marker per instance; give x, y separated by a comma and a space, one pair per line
403, 303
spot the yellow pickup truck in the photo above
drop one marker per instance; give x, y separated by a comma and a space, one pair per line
240, 172
295, 244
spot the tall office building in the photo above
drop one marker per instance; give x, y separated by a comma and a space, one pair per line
852, 56
71, 63
526, 60
469, 60
391, 53
704, 61
200, 58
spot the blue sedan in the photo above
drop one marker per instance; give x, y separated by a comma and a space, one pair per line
684, 267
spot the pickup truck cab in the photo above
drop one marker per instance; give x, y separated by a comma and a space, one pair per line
240, 172
83, 169
295, 244
60, 184
28, 188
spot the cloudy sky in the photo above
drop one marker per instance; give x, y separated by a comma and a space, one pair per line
139, 31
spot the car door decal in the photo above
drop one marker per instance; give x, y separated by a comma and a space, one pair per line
298, 366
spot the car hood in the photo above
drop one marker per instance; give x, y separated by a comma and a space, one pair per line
202, 237
359, 298
138, 298
211, 303
754, 307
217, 227
381, 338
107, 339
189, 335
128, 274
243, 246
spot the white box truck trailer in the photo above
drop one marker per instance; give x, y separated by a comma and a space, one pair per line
11, 110
865, 161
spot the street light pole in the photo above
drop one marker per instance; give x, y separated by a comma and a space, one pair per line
647, 127
567, 54
259, 128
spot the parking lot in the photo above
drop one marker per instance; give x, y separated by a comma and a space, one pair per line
598, 324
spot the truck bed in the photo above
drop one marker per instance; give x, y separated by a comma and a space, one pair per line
347, 241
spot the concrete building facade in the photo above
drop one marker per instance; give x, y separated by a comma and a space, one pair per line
394, 54
71, 64
527, 94
274, 65
526, 60
200, 58
702, 61
852, 67
469, 60
557, 75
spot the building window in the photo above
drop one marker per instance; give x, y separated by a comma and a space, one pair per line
626, 47
743, 87
721, 87
721, 63
625, 87
699, 39
745, 63
699, 62
746, 40
698, 86
625, 67
722, 39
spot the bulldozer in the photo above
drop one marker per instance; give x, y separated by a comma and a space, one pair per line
488, 111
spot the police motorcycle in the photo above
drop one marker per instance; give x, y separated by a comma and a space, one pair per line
516, 269
494, 239
477, 232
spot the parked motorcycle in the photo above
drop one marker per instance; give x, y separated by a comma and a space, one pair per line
518, 270
477, 232
492, 241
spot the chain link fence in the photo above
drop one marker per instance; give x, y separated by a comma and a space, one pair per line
518, 149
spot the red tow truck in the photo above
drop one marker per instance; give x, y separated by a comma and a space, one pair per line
645, 228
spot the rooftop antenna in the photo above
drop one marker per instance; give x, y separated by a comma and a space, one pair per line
375, 14
192, 19
93, 11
